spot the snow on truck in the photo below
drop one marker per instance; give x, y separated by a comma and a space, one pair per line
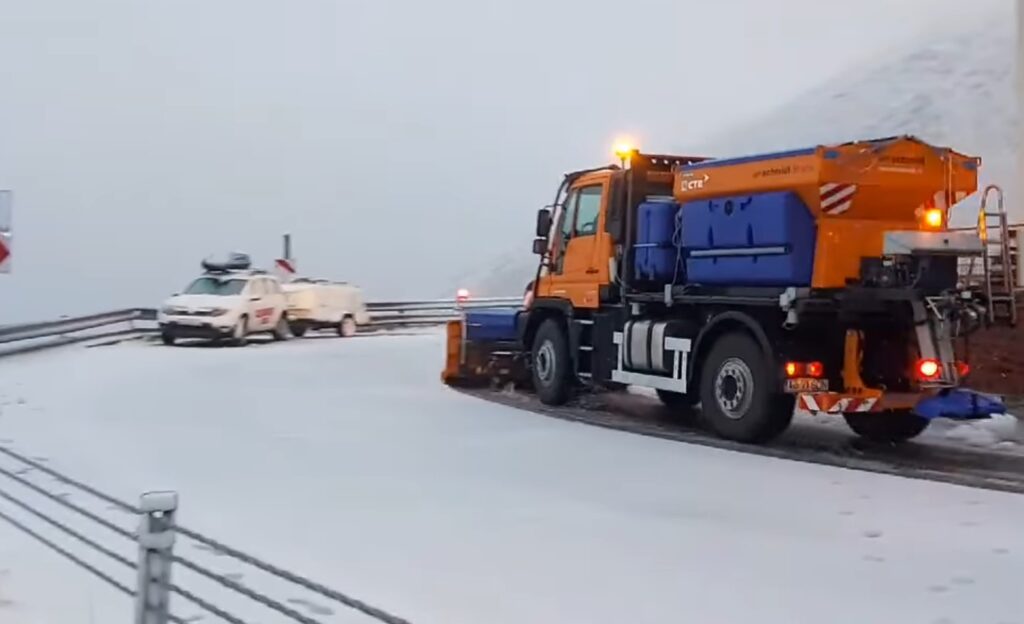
825, 277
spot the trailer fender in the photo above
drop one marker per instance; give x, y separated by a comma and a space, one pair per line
717, 326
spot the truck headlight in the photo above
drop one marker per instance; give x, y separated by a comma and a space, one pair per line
218, 311
170, 310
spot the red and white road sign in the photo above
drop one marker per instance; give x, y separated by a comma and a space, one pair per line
5, 231
5, 253
284, 268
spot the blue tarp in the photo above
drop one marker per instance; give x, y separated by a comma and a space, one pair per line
960, 404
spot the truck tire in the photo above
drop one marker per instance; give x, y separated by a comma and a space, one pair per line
551, 367
738, 394
891, 426
680, 404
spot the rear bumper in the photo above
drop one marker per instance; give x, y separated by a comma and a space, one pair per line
205, 331
841, 403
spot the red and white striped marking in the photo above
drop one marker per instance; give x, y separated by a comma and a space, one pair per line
837, 198
285, 266
833, 404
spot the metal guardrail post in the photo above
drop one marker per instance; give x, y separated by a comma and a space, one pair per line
156, 541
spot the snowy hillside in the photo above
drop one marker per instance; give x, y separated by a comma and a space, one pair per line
956, 91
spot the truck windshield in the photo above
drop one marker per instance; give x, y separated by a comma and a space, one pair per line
215, 286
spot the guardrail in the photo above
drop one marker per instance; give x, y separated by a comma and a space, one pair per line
436, 312
137, 321
153, 541
45, 335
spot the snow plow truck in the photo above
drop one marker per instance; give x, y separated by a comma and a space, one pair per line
824, 278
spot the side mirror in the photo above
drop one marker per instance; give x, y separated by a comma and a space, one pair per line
540, 246
543, 222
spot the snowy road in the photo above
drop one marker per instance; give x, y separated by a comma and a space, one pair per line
349, 461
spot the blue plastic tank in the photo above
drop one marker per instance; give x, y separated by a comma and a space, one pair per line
656, 255
766, 239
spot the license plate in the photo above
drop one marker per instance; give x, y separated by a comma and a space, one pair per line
191, 322
806, 384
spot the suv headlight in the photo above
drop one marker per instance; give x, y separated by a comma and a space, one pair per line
169, 310
218, 311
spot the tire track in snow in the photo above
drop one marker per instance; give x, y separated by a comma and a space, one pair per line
806, 440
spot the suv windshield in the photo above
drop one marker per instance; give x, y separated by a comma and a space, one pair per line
215, 286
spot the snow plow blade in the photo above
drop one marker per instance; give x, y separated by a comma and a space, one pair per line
484, 348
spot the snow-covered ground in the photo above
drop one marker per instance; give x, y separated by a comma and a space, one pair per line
348, 460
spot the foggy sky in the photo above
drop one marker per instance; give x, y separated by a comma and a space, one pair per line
401, 143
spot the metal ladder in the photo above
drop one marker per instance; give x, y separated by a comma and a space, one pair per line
999, 259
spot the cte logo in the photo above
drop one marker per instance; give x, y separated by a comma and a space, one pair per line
692, 185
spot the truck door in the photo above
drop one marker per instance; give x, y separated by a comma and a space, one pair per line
576, 274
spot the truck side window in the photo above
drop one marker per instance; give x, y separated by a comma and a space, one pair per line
569, 215
565, 232
588, 210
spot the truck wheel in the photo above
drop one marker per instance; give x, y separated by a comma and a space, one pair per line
347, 327
282, 331
298, 329
737, 394
240, 332
887, 426
550, 365
167, 338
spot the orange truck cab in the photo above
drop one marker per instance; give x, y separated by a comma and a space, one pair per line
825, 276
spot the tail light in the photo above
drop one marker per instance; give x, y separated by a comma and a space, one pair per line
963, 369
802, 369
928, 369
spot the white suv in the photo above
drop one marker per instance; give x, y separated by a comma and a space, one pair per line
226, 305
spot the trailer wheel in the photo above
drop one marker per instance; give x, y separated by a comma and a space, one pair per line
890, 426
550, 365
737, 393
347, 327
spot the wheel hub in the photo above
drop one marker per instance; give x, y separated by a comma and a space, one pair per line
545, 362
734, 386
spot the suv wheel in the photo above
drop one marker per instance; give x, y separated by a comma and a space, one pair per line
282, 331
240, 332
